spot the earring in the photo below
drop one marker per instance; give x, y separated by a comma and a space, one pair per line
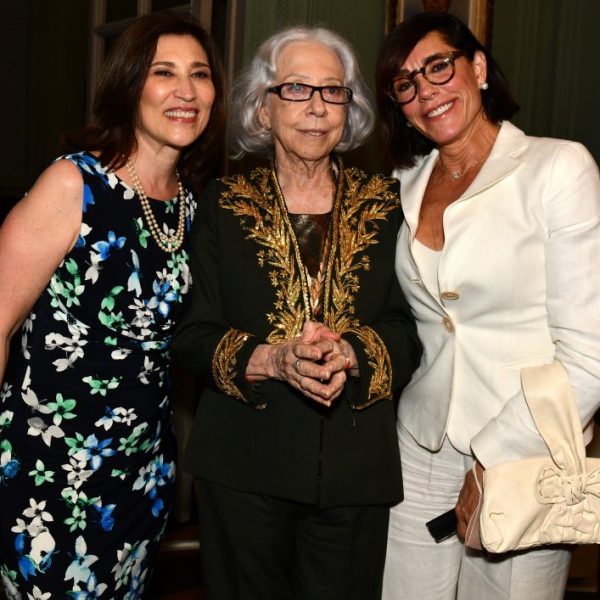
484, 86
408, 123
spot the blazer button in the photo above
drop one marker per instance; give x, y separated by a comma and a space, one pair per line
448, 324
450, 296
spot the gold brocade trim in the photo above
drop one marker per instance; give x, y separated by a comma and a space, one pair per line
225, 360
355, 229
360, 203
264, 221
303, 274
380, 386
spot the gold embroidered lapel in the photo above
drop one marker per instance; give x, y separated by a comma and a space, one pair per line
365, 202
359, 203
264, 221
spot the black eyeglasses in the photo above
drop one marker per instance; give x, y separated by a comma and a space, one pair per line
437, 69
301, 92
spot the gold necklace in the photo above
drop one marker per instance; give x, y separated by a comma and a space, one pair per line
168, 243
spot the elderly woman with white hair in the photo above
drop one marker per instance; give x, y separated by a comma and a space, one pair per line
302, 336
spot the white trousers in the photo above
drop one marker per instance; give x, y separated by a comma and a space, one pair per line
419, 569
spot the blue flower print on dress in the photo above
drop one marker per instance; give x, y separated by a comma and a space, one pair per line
131, 570
164, 295
133, 283
34, 543
116, 415
89, 163
105, 247
105, 514
91, 590
86, 440
9, 466
79, 570
94, 451
151, 478
88, 198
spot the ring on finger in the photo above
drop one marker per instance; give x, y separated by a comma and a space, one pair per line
297, 366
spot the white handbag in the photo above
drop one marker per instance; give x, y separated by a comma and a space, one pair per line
545, 500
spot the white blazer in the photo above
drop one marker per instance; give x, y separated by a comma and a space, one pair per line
519, 284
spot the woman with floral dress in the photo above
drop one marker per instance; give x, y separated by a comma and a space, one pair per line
93, 271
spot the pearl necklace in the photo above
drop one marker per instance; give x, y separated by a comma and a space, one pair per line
168, 243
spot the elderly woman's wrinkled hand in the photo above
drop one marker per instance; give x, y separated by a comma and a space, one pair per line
343, 358
315, 363
312, 331
316, 367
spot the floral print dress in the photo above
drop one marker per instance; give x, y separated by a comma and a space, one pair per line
86, 446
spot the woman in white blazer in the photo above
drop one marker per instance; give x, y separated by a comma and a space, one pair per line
499, 257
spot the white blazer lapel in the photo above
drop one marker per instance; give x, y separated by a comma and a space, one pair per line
503, 160
412, 189
413, 183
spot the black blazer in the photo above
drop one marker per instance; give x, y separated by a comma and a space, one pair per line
250, 288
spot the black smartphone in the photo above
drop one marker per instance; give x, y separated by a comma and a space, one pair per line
443, 526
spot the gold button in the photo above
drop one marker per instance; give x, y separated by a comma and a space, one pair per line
450, 295
448, 324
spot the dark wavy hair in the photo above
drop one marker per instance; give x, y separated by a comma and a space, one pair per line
116, 104
404, 144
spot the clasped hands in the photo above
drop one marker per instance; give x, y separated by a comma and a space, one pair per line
315, 362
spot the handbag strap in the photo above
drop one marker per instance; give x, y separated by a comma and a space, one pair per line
550, 398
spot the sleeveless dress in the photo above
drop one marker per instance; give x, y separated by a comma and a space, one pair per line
86, 446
